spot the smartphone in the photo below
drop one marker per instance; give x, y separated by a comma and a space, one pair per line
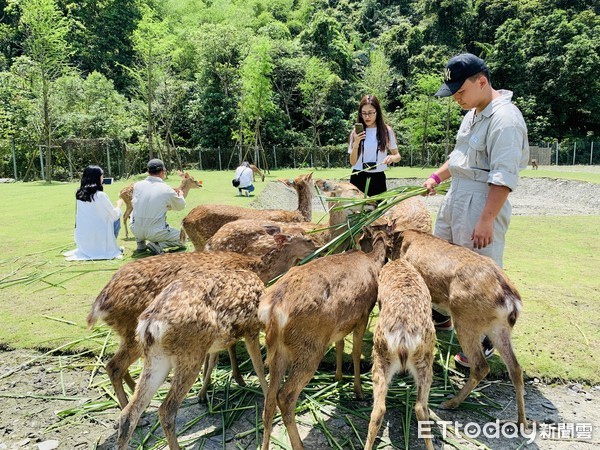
107, 181
358, 128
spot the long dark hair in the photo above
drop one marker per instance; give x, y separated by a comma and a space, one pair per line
90, 183
382, 131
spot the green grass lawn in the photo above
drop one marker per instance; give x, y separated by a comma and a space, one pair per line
553, 261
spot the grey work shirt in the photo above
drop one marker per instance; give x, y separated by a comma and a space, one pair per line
152, 198
492, 147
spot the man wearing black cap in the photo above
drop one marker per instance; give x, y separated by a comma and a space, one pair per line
152, 198
491, 149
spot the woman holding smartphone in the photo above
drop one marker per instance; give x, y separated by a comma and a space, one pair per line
370, 142
95, 220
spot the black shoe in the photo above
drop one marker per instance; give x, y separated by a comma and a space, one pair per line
154, 248
441, 321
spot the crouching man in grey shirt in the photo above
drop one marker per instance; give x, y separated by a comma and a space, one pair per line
152, 198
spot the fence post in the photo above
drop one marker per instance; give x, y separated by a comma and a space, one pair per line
557, 153
574, 149
200, 159
42, 163
591, 153
219, 150
70, 158
275, 158
108, 160
12, 146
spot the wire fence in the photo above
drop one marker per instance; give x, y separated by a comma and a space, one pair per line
26, 161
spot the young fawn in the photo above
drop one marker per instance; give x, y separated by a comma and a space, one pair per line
193, 317
310, 307
480, 298
404, 339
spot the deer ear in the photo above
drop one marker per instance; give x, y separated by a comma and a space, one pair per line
281, 239
326, 188
272, 229
391, 226
288, 183
181, 174
322, 184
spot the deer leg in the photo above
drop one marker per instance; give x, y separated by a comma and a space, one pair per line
129, 380
339, 355
235, 368
117, 367
359, 333
301, 371
470, 341
253, 347
128, 210
422, 372
156, 369
277, 367
502, 341
186, 372
381, 376
210, 361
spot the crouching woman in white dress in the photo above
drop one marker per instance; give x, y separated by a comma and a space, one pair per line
95, 231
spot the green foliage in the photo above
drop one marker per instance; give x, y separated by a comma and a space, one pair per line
377, 77
324, 39
256, 100
425, 122
215, 73
91, 108
316, 87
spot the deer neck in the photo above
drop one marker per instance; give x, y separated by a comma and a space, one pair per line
305, 202
379, 252
185, 188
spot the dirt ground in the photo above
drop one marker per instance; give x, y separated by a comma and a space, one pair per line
564, 416
31, 397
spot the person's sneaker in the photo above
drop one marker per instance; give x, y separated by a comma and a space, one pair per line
488, 350
140, 246
442, 322
154, 248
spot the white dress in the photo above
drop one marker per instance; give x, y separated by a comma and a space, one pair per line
94, 230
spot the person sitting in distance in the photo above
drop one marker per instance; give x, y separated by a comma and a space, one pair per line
152, 198
97, 221
245, 175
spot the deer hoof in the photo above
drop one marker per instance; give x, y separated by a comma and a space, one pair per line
449, 404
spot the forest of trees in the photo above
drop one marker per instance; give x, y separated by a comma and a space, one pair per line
170, 77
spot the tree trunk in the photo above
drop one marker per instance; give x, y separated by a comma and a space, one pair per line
47, 132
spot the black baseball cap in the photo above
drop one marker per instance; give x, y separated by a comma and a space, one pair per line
457, 71
155, 166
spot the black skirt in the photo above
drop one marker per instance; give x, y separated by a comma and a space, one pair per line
377, 183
